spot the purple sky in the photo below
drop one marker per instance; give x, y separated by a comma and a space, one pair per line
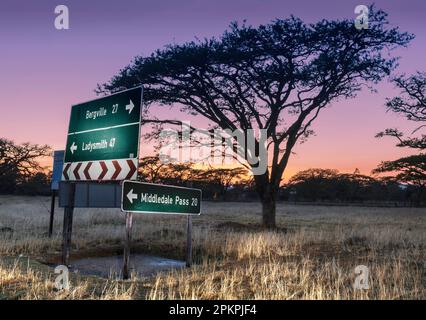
44, 71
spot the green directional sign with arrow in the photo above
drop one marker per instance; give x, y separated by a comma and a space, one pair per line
103, 138
114, 143
114, 110
157, 198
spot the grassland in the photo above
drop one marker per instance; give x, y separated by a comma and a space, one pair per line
312, 254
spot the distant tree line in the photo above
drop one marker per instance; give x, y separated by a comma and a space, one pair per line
216, 183
329, 185
312, 185
21, 173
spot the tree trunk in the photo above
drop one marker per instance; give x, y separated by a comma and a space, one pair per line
267, 195
420, 195
268, 210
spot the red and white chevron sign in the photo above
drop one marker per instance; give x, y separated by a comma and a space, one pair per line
120, 169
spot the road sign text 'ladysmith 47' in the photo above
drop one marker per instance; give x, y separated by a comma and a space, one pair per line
157, 198
103, 138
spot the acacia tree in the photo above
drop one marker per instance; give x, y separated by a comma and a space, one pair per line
410, 170
153, 169
411, 103
275, 77
224, 177
19, 163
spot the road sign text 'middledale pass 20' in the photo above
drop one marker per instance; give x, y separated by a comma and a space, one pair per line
156, 198
103, 138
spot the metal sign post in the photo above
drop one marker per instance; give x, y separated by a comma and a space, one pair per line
58, 162
67, 230
128, 240
52, 212
188, 240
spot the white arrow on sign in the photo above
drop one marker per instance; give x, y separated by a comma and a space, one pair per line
130, 106
131, 196
73, 147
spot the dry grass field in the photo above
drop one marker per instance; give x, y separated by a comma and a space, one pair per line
312, 255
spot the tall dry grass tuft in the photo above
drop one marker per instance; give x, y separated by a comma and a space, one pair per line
271, 266
23, 282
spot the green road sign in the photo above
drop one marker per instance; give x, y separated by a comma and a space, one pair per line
114, 110
113, 143
157, 198
103, 138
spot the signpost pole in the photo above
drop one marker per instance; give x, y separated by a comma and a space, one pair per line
52, 213
67, 230
189, 240
58, 163
126, 262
